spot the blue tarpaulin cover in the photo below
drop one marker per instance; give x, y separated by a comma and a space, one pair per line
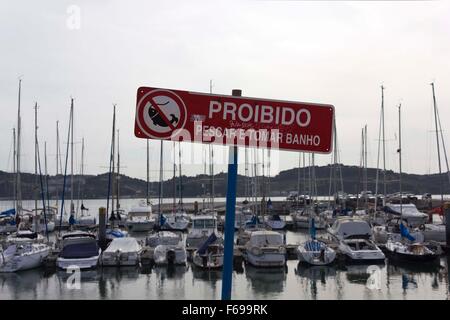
210, 240
79, 250
7, 213
405, 233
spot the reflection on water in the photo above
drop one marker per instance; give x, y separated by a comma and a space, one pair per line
266, 281
396, 281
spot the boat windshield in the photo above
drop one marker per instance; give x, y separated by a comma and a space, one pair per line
204, 224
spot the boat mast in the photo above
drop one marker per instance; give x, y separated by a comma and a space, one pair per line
174, 179
46, 173
148, 175
14, 170
18, 182
82, 173
57, 159
211, 151
366, 200
111, 165
437, 144
160, 180
35, 157
246, 173
72, 207
400, 155
298, 179
118, 173
181, 176
384, 146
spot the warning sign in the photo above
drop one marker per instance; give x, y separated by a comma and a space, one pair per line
228, 120
160, 113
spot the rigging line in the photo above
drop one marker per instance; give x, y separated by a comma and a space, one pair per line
42, 189
65, 168
443, 144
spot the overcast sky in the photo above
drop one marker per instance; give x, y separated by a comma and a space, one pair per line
327, 52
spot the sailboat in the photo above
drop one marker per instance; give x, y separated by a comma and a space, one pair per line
315, 252
21, 253
114, 231
83, 219
409, 250
210, 254
8, 217
139, 218
301, 215
178, 220
24, 256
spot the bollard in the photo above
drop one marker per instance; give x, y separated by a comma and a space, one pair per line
102, 227
447, 219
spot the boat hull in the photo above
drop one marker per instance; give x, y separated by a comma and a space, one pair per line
266, 260
25, 262
140, 226
82, 263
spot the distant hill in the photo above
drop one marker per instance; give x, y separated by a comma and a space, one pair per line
96, 186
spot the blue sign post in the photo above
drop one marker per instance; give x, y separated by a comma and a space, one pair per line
227, 275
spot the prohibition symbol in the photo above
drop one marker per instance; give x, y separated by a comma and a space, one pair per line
161, 113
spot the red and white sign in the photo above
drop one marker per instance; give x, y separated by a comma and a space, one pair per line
228, 120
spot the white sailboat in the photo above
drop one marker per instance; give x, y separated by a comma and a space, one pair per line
315, 252
23, 256
210, 254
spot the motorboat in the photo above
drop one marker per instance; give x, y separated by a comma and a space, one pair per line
254, 224
202, 227
177, 221
275, 222
410, 252
121, 252
433, 232
407, 212
140, 218
23, 256
265, 249
162, 237
168, 248
354, 238
210, 254
78, 248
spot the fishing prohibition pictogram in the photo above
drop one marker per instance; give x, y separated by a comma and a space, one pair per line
161, 113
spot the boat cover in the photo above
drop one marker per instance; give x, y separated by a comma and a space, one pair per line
127, 244
79, 250
210, 240
313, 245
8, 213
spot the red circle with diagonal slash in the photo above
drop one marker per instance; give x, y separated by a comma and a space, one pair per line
149, 97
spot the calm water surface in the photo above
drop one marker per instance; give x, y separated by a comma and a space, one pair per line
293, 282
